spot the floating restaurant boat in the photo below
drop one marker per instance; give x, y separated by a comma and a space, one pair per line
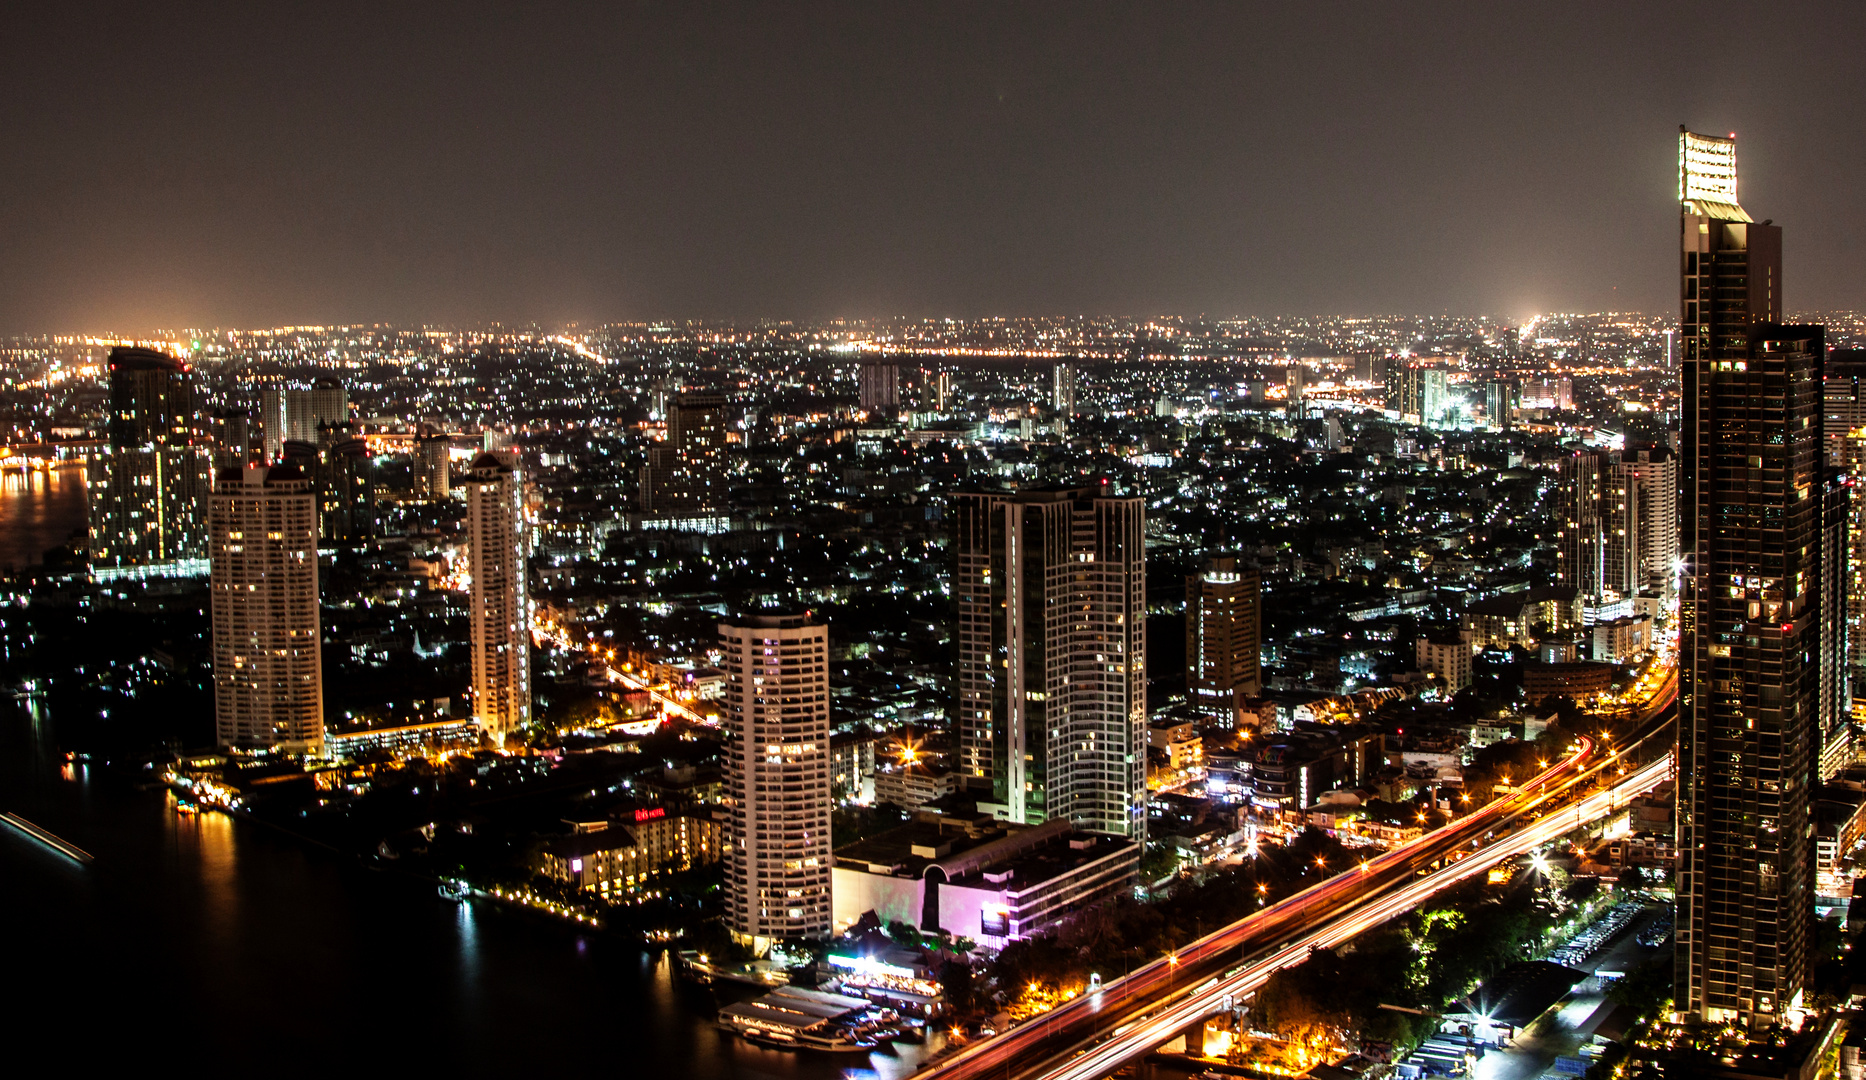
793, 1018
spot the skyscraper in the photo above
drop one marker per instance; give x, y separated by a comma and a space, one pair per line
1499, 402
1063, 388
1844, 388
1052, 649
1752, 525
500, 611
343, 476
942, 391
274, 421
1618, 524
230, 434
268, 679
1224, 636
1583, 483
1406, 391
878, 385
777, 777
1642, 543
290, 414
147, 490
686, 472
433, 475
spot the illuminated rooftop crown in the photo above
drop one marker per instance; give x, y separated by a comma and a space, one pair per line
1707, 176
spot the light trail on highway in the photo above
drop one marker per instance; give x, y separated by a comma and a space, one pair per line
1066, 1029
1208, 999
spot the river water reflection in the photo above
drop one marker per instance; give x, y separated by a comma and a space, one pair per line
38, 510
205, 941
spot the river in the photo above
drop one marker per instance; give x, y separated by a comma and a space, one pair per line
220, 945
38, 510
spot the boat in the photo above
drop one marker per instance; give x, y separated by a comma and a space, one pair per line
792, 1018
455, 889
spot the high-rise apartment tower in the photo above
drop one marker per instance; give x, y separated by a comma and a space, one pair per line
686, 472
147, 489
777, 781
263, 583
1063, 388
1618, 533
1224, 636
1052, 654
500, 611
878, 384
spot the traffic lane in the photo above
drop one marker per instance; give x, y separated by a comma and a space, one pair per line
1035, 1040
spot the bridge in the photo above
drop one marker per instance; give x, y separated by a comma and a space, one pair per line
1092, 1036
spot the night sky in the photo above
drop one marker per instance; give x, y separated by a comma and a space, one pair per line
236, 165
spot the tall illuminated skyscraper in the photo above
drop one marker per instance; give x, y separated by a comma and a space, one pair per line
1618, 524
878, 385
686, 473
500, 609
1755, 695
290, 414
1052, 654
1063, 388
147, 490
777, 780
1845, 431
263, 584
1224, 636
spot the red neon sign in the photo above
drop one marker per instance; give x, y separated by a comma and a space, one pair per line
651, 813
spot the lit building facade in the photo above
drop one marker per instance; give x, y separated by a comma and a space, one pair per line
620, 860
1752, 687
500, 610
147, 489
1844, 426
878, 385
1063, 389
432, 465
294, 414
263, 582
687, 472
777, 777
1224, 636
1618, 525
1052, 646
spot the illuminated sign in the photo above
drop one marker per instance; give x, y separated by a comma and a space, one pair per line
868, 965
650, 814
576, 866
1707, 172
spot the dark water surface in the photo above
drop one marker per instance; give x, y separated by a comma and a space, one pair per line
224, 948
38, 510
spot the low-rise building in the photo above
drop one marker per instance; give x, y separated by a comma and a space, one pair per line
1618, 641
913, 785
1839, 826
1448, 656
618, 857
993, 882
1579, 680
852, 765
1641, 849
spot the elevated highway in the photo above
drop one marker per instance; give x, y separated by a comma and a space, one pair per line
1093, 1035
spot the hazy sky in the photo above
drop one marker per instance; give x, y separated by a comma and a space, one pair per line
238, 165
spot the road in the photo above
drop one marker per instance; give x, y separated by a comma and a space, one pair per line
1105, 1057
1328, 913
1285, 928
545, 631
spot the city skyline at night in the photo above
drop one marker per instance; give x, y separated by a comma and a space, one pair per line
1028, 542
